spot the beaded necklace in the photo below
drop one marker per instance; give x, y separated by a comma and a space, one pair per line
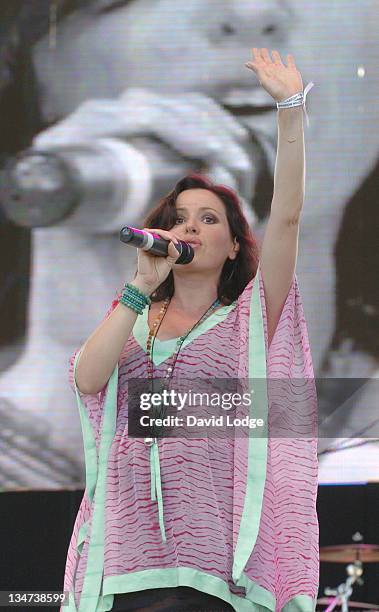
170, 368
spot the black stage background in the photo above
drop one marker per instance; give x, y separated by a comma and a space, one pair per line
36, 526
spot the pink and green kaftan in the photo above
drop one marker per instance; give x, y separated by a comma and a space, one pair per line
233, 517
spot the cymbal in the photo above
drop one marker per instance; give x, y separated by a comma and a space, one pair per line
346, 553
351, 604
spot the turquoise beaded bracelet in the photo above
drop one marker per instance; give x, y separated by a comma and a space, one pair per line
130, 303
137, 292
133, 298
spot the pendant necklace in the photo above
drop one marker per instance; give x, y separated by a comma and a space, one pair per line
173, 359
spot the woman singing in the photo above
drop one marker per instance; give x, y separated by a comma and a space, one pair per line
205, 523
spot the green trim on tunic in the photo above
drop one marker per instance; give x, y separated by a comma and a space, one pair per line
90, 450
187, 576
90, 455
300, 603
258, 441
257, 598
90, 597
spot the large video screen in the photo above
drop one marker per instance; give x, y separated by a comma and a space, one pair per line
104, 106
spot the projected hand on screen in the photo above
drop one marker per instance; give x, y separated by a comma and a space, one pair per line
200, 133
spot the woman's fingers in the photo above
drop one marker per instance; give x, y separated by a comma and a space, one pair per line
262, 56
173, 251
161, 232
291, 62
279, 80
257, 55
265, 55
276, 58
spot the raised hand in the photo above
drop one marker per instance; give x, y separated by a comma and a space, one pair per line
279, 80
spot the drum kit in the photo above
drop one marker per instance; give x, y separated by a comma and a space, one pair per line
355, 555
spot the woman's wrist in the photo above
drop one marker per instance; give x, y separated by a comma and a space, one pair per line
135, 296
139, 283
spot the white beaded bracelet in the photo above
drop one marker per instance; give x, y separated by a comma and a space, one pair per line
297, 100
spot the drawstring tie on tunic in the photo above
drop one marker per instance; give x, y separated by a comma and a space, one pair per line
155, 472
155, 482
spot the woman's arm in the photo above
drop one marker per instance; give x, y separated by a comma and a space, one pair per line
289, 178
280, 243
101, 351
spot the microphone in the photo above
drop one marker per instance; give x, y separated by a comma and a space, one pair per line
155, 244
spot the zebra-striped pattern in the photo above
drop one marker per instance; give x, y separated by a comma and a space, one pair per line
203, 480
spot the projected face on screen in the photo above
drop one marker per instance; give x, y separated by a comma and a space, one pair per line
157, 55
149, 48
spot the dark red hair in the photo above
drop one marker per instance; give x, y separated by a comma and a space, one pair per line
235, 274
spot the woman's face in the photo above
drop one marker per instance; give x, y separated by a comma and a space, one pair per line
203, 46
201, 220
